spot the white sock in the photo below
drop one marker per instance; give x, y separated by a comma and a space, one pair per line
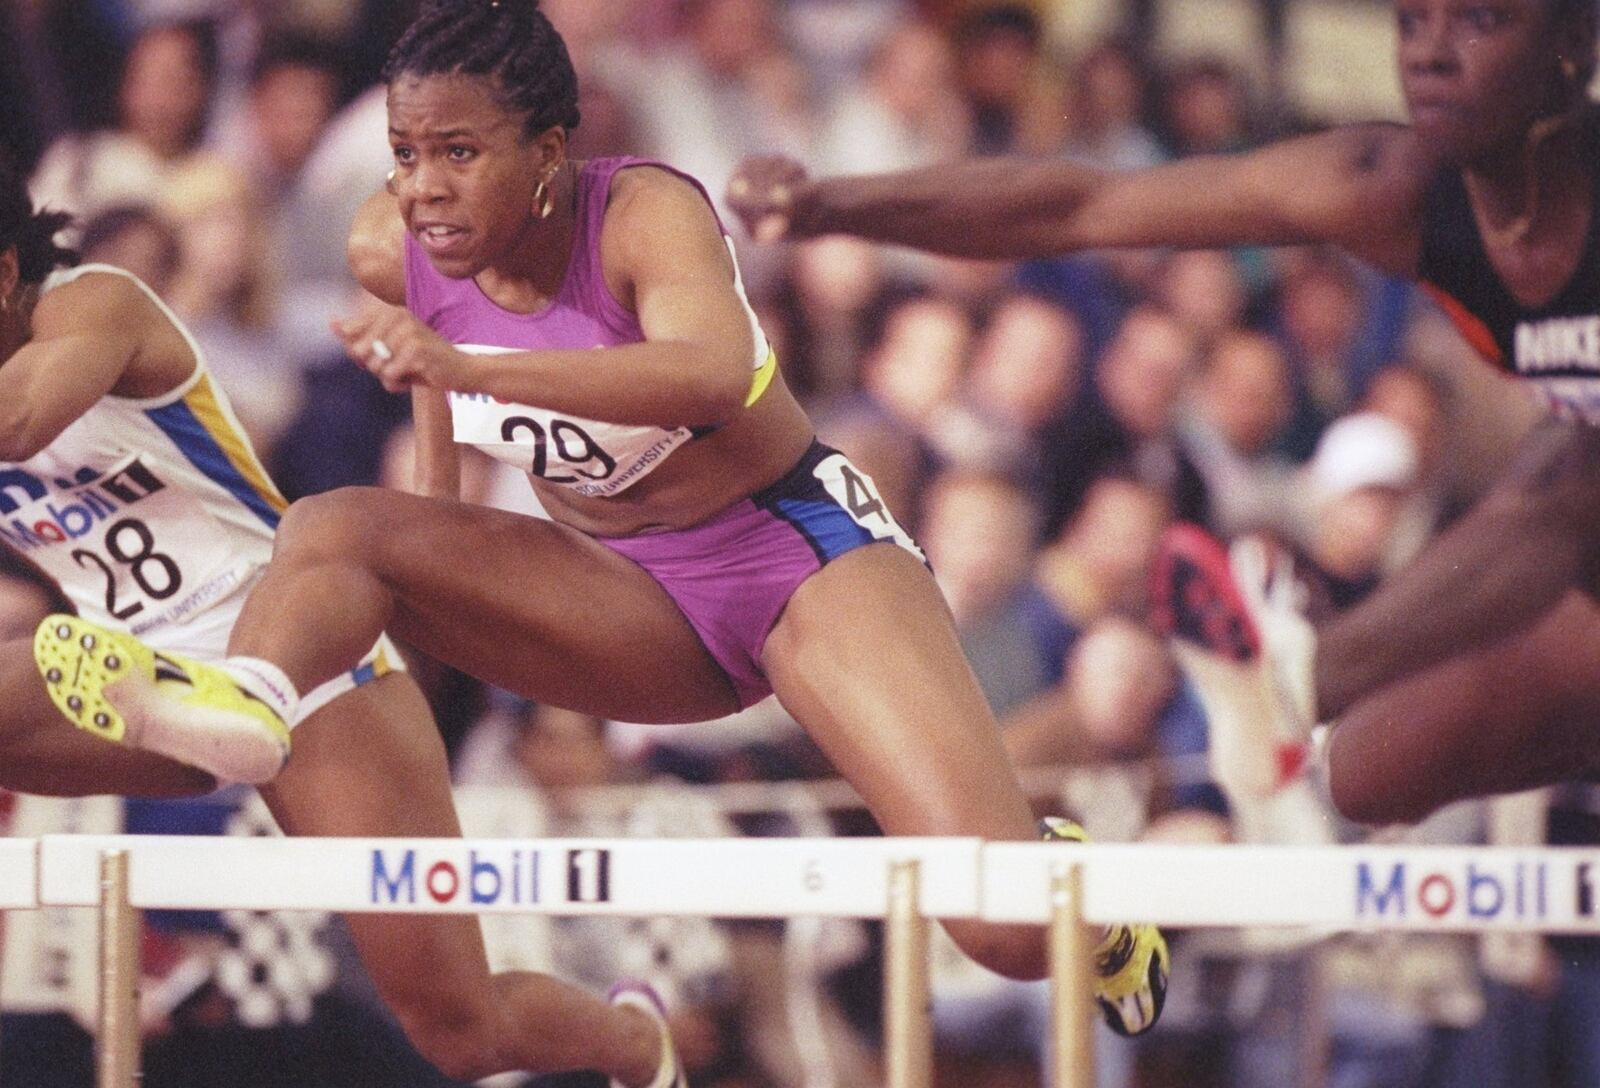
266, 682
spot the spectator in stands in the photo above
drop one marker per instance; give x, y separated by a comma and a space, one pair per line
827, 299
1206, 109
135, 237
1129, 425
1109, 94
979, 530
1203, 289
1098, 566
225, 289
1013, 94
163, 102
724, 88
294, 91
905, 111
1024, 379
1230, 429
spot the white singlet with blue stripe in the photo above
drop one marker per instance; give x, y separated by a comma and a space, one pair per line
148, 513
154, 516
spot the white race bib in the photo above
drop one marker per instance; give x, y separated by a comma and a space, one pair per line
129, 550
583, 455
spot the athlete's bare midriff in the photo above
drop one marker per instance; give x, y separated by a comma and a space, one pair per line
699, 478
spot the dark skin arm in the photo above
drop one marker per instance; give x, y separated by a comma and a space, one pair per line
1358, 188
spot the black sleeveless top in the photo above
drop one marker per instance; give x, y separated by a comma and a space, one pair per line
1555, 346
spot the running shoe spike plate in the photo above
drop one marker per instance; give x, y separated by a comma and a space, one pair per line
116, 687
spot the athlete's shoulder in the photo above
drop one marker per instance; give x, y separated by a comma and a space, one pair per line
650, 189
95, 297
376, 248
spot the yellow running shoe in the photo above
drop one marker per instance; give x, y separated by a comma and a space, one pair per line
1131, 961
116, 687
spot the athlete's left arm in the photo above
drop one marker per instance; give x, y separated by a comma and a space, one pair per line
86, 336
663, 253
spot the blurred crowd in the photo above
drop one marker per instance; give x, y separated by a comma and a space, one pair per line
1037, 425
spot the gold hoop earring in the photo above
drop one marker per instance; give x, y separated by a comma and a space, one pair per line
544, 198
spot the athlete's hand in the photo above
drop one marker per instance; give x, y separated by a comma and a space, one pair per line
762, 192
399, 350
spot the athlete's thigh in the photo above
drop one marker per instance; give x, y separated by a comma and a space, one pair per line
1516, 715
542, 610
371, 763
865, 657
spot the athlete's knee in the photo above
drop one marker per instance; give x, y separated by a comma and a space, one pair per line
335, 523
1017, 952
1364, 795
461, 1040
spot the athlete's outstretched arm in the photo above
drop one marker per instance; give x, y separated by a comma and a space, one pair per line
1529, 540
1352, 187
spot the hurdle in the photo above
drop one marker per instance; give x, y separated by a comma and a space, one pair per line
904, 882
1070, 888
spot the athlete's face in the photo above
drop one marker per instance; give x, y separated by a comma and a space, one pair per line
464, 173
1477, 73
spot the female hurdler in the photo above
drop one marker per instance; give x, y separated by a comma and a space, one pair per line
584, 321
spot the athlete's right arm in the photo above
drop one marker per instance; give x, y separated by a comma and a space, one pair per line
86, 336
376, 248
437, 470
1357, 187
376, 253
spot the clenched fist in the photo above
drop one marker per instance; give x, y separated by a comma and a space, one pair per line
762, 194
399, 350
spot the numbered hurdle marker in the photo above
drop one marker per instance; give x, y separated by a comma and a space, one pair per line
905, 881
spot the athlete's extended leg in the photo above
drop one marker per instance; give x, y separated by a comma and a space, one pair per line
865, 656
525, 604
371, 763
1515, 716
43, 753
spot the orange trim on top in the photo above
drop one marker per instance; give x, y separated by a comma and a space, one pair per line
1470, 325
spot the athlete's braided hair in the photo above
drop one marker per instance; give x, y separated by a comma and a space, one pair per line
31, 233
509, 41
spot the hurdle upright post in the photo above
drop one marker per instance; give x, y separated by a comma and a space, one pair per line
1071, 980
117, 1021
908, 1031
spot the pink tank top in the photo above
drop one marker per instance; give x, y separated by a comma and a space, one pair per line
591, 457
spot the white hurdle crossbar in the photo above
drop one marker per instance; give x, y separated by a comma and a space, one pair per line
1071, 888
903, 881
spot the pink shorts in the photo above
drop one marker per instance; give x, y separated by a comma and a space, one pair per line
732, 574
